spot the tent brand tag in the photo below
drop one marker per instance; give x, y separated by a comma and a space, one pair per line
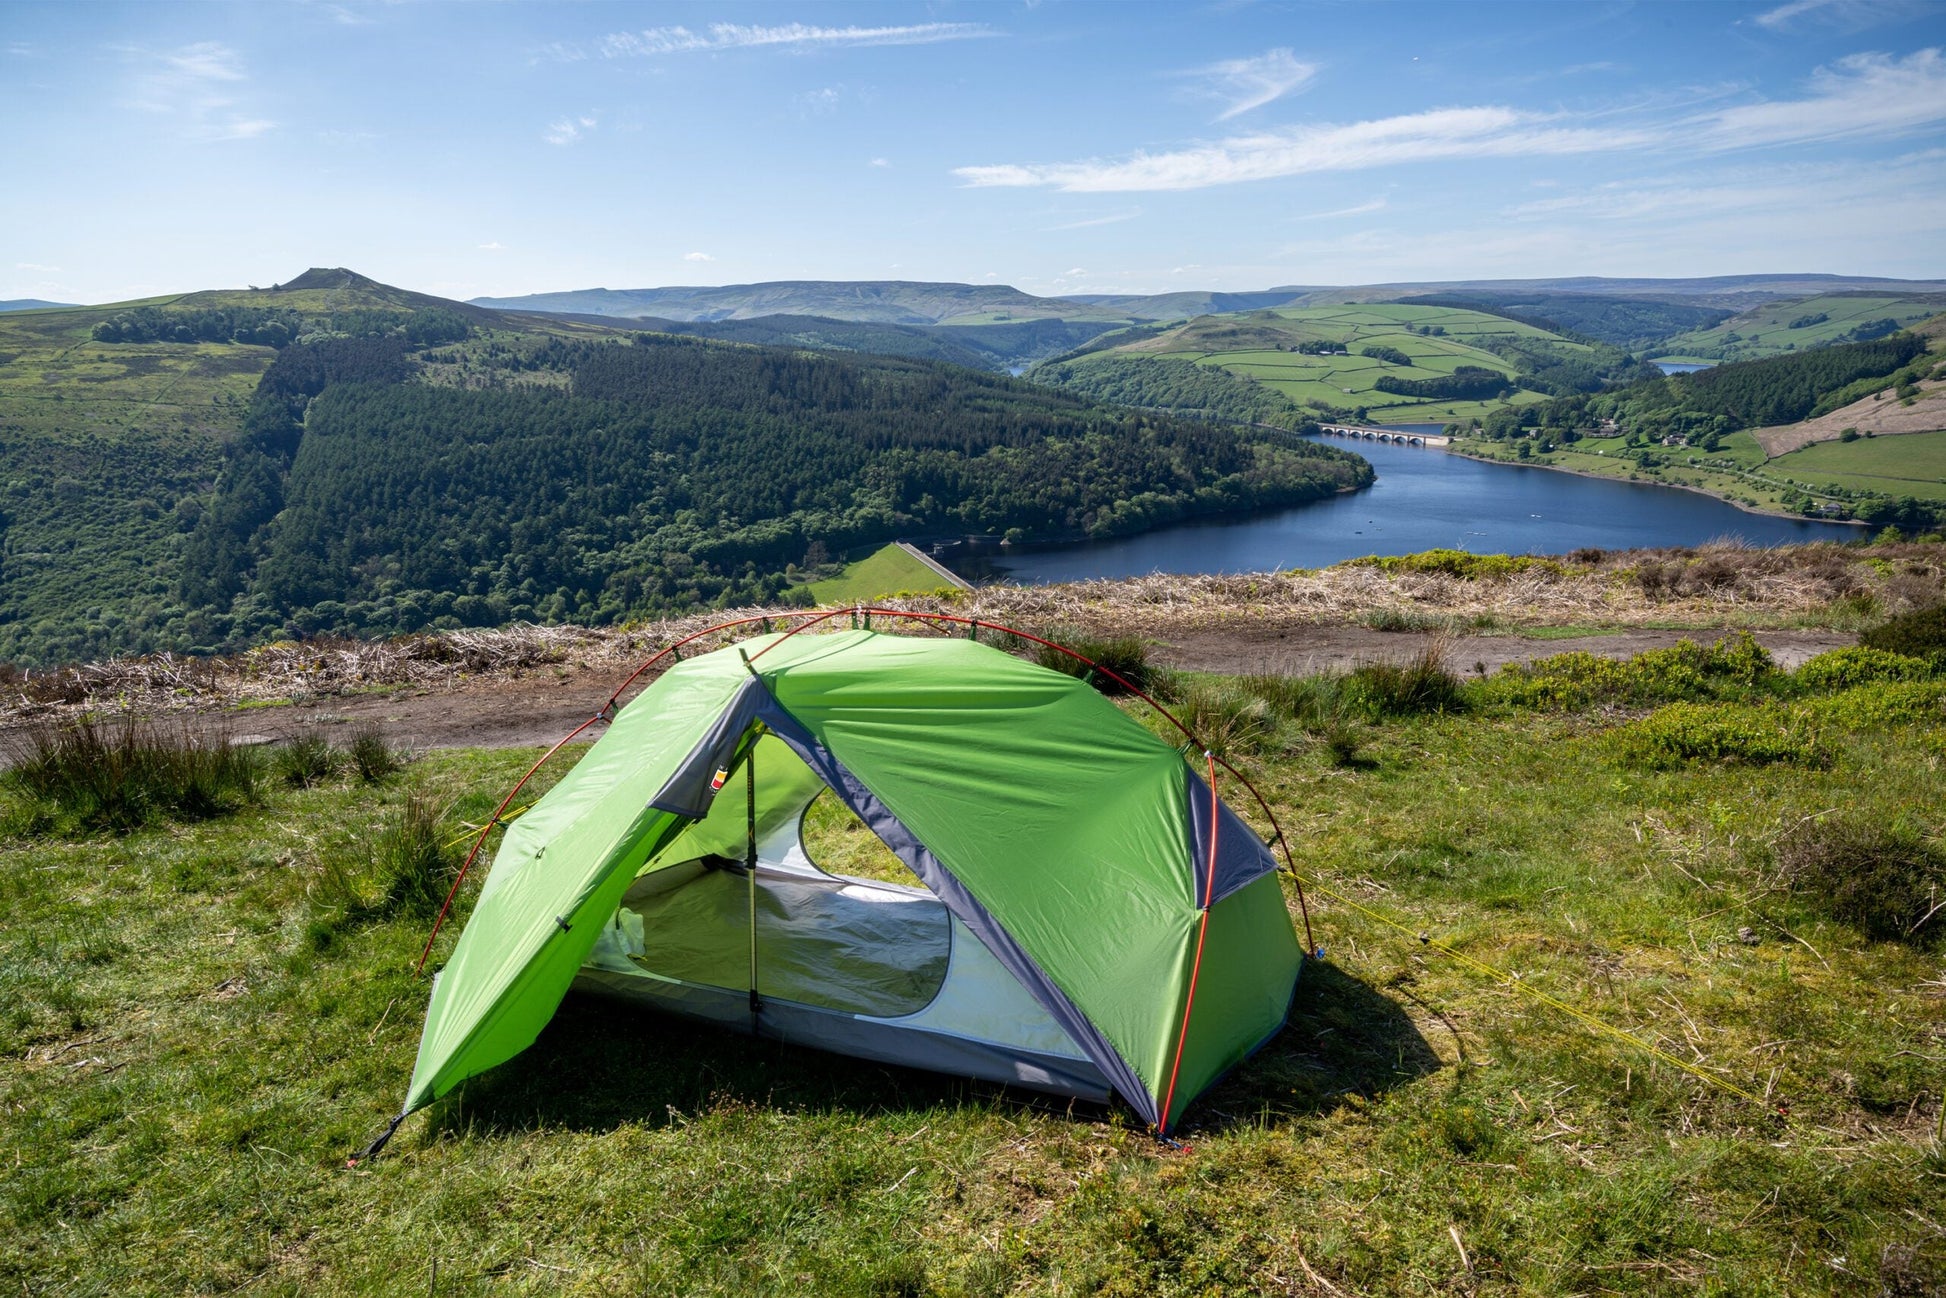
716, 780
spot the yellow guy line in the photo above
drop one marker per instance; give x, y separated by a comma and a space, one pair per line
1514, 980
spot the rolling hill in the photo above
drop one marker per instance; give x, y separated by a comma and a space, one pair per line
1441, 363
1799, 324
876, 301
211, 470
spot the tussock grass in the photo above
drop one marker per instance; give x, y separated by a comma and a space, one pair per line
184, 1068
371, 755
304, 760
1126, 655
94, 772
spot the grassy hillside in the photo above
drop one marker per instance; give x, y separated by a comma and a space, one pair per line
1796, 325
887, 571
1264, 346
205, 1018
153, 454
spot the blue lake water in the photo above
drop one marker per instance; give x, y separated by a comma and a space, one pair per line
1681, 367
1424, 499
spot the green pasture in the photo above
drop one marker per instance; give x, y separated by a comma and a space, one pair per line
1260, 345
1766, 330
886, 571
1905, 464
203, 1019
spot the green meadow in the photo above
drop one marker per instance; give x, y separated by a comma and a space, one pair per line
1778, 327
1261, 345
206, 1016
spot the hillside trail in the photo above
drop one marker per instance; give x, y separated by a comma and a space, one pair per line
540, 705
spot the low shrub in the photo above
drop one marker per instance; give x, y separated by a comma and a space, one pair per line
1464, 564
371, 756
1734, 667
304, 760
1918, 634
93, 773
1685, 733
1888, 880
1885, 703
1842, 669
1127, 656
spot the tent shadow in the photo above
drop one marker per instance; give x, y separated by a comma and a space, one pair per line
600, 1065
1343, 1038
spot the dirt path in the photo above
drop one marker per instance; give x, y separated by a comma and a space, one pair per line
541, 706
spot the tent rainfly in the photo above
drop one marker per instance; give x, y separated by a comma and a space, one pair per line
1092, 920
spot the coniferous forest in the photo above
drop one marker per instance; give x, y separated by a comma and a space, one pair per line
597, 480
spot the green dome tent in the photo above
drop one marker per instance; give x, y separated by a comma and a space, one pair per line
1092, 919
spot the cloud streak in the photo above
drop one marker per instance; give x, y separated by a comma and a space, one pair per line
1245, 84
563, 131
198, 84
1860, 96
800, 36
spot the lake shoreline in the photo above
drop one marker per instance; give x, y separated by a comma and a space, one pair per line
1657, 482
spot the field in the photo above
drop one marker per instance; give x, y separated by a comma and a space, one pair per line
1260, 345
1910, 464
1767, 330
885, 572
201, 1028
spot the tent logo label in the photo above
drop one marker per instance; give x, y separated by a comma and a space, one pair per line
716, 780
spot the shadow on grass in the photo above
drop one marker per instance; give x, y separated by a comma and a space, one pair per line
601, 1064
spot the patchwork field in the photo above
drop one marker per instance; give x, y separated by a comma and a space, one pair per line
1780, 327
1261, 345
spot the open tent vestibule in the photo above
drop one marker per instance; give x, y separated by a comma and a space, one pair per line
1087, 917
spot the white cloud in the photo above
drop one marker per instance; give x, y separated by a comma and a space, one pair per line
697, 256
36, 266
1112, 219
879, 162
1853, 14
495, 246
197, 84
821, 102
1861, 95
567, 130
1375, 205
727, 36
1244, 84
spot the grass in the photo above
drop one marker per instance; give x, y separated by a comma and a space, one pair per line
885, 572
1906, 464
184, 1067
116, 774
1256, 344
1766, 330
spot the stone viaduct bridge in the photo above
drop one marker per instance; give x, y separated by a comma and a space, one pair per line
1385, 435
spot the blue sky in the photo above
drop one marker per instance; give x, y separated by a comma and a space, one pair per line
469, 149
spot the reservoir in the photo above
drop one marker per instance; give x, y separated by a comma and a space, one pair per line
1424, 499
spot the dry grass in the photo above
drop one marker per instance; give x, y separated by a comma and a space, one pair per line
1724, 583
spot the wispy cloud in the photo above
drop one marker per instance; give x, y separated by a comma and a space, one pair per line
1853, 14
822, 102
1375, 205
730, 36
198, 84
879, 162
1244, 84
564, 131
494, 246
36, 266
1093, 221
697, 256
1859, 96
